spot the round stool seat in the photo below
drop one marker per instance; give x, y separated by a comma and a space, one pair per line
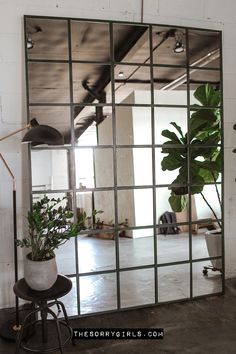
61, 287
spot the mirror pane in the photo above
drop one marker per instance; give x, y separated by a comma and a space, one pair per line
131, 43
170, 85
204, 48
57, 117
90, 41
203, 285
207, 241
90, 83
93, 125
132, 84
169, 45
54, 174
133, 125
137, 287
165, 117
163, 205
172, 247
164, 176
208, 204
173, 282
97, 293
136, 205
136, 249
96, 252
48, 82
47, 39
102, 201
66, 257
199, 77
129, 170
84, 168
70, 300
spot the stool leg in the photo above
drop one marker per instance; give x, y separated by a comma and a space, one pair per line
58, 329
66, 318
44, 324
20, 333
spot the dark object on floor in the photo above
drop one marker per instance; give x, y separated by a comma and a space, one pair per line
43, 301
168, 218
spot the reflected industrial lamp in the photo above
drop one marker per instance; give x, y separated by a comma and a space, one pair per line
36, 135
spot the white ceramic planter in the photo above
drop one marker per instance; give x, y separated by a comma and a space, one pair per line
40, 275
213, 241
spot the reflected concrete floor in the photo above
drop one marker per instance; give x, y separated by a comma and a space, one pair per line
137, 287
201, 326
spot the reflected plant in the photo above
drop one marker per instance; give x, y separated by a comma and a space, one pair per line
203, 155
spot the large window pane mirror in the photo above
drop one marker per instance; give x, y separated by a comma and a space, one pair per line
140, 109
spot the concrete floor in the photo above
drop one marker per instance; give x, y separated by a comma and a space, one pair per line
201, 326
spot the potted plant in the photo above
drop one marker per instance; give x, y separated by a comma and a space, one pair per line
203, 157
50, 225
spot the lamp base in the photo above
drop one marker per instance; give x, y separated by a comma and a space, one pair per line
9, 329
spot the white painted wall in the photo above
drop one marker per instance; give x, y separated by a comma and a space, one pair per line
214, 14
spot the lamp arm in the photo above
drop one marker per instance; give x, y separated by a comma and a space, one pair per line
15, 132
9, 171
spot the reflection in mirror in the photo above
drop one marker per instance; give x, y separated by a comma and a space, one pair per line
207, 241
132, 84
133, 125
166, 176
210, 284
170, 85
87, 201
48, 82
200, 77
96, 252
57, 117
93, 125
164, 116
131, 43
98, 293
137, 287
129, 170
204, 48
54, 174
172, 247
90, 41
173, 282
88, 86
70, 300
169, 45
103, 104
47, 39
138, 250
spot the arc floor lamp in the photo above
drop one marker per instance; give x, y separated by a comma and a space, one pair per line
36, 135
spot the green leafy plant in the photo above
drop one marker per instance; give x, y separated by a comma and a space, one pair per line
50, 225
199, 148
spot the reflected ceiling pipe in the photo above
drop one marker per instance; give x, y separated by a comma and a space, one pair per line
206, 59
120, 52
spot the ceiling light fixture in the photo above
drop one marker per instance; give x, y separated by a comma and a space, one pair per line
30, 43
121, 74
178, 47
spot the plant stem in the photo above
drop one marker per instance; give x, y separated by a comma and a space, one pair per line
217, 192
218, 222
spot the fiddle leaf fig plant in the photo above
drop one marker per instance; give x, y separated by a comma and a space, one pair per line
203, 155
50, 225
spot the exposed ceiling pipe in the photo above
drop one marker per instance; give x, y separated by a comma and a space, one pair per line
206, 59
